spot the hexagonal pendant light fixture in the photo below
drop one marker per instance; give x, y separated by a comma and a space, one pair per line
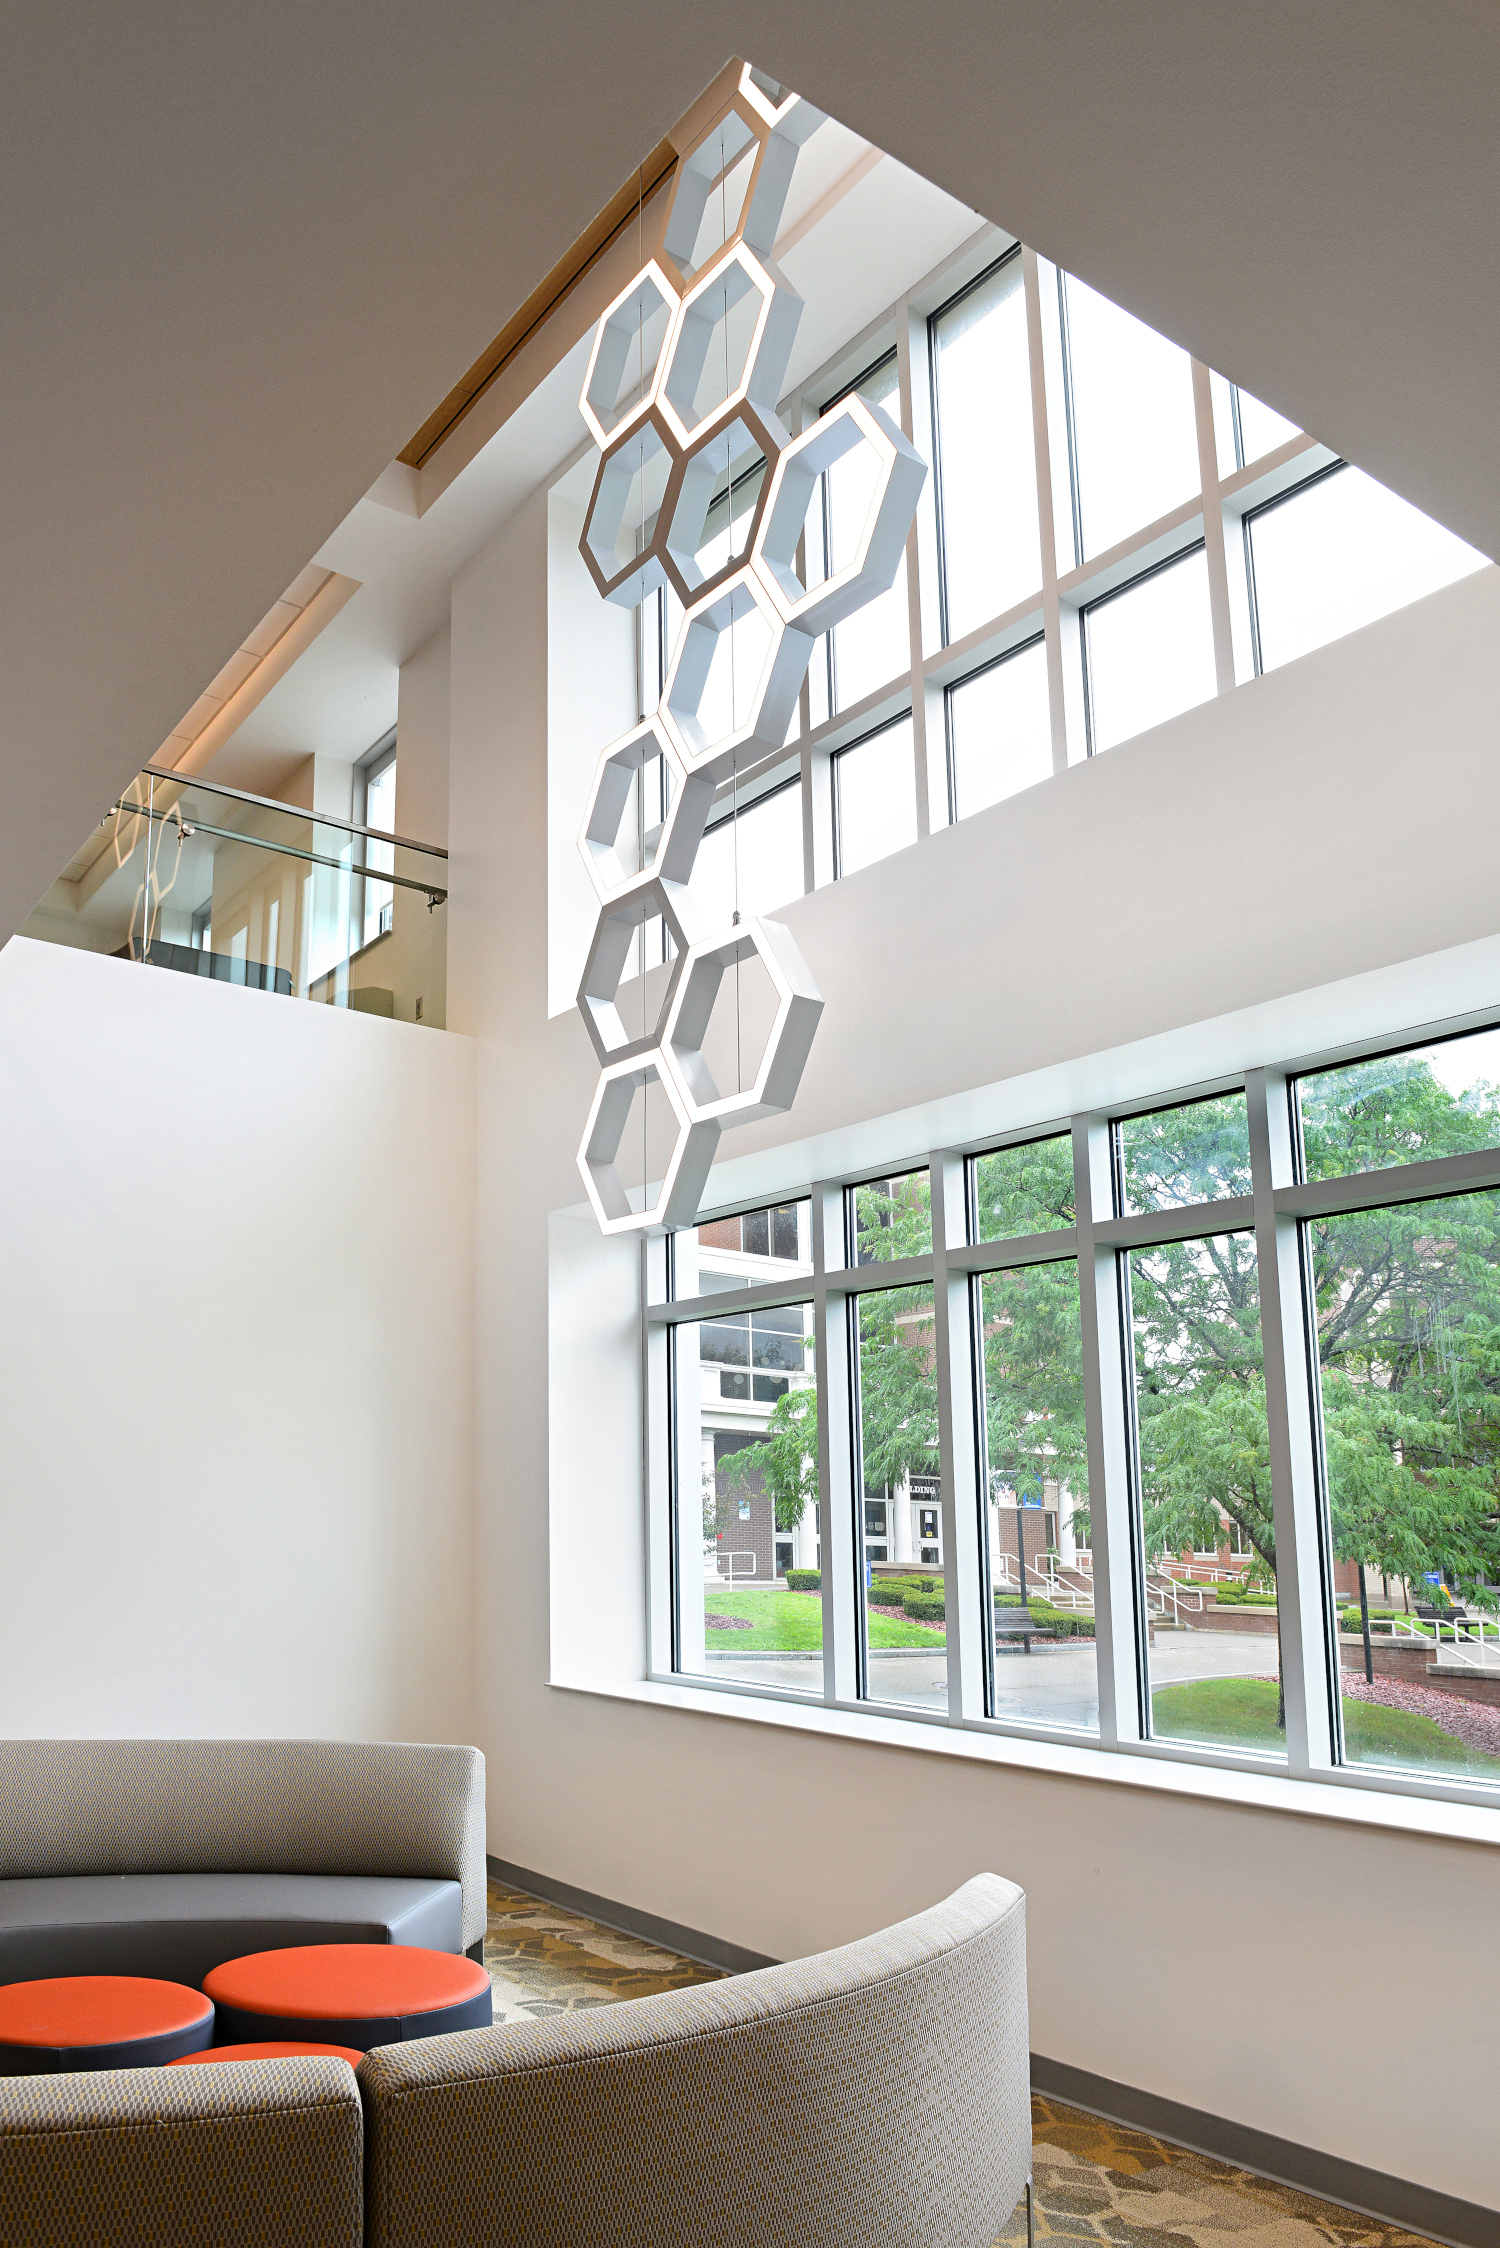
734, 302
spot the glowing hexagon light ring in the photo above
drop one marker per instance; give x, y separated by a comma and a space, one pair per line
685, 1174
621, 325
692, 491
792, 118
690, 800
767, 698
799, 1005
736, 274
901, 473
609, 957
648, 444
746, 119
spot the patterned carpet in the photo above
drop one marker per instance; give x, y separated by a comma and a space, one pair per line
1096, 2182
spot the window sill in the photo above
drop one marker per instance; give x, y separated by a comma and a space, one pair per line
1350, 1801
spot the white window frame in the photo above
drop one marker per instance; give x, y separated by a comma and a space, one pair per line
1278, 1203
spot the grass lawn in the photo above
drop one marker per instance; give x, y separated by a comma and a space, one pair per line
791, 1623
1241, 1713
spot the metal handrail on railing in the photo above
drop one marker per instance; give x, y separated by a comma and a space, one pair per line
1473, 1650
1048, 1581
297, 811
428, 890
1172, 1591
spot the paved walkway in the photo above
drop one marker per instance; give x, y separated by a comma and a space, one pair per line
1056, 1684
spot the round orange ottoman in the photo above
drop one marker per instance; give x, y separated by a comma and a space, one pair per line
72, 2022
348, 1994
269, 2053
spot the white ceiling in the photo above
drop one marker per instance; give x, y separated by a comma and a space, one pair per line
246, 251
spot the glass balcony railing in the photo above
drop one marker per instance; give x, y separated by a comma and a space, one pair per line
210, 881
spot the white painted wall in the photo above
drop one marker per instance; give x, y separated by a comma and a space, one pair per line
592, 698
422, 742
236, 1289
1308, 858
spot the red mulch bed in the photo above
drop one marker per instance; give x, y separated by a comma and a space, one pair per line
1470, 1722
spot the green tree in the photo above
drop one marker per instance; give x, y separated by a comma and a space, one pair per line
898, 1401
786, 1457
1406, 1304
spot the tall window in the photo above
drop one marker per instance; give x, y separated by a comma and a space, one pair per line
1406, 1309
1035, 1483
379, 811
874, 645
981, 383
1132, 431
745, 1443
924, 1470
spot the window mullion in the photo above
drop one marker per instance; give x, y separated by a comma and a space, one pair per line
656, 1442
1043, 391
687, 1468
832, 1311
1213, 530
914, 392
963, 1515
1301, 1599
1112, 1534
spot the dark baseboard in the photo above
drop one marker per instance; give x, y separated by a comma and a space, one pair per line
669, 1935
1440, 2216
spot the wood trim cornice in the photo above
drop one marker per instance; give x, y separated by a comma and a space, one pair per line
543, 300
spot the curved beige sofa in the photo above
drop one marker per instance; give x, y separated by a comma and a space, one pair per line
879, 2093
876, 2093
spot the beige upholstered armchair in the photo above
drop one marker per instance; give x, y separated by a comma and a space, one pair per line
877, 2093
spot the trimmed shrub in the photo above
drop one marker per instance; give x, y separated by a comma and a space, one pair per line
925, 1607
804, 1580
889, 1592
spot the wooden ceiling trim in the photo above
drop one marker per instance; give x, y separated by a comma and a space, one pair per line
544, 300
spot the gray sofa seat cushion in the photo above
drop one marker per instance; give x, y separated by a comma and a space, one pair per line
180, 1925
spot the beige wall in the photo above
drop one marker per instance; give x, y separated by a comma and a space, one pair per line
236, 1239
1310, 857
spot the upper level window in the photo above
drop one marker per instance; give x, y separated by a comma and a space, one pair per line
1020, 1190
1401, 1108
1337, 553
1174, 1157
999, 730
874, 645
1245, 430
750, 860
874, 798
981, 382
1148, 651
1132, 428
